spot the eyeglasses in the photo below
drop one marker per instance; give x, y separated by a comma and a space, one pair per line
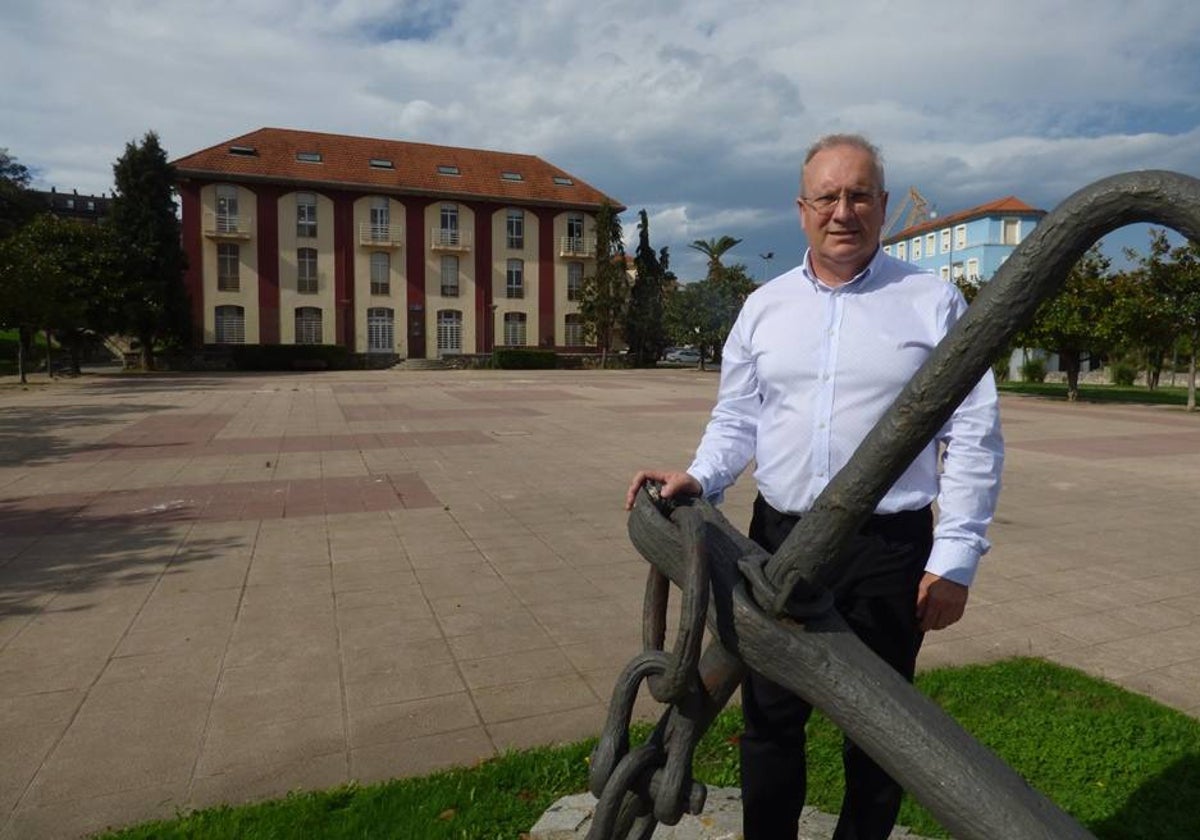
860, 200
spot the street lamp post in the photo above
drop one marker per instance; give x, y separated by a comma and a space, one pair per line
766, 258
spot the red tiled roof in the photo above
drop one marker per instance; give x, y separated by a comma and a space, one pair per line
1007, 206
345, 162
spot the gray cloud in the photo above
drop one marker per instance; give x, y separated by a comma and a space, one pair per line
697, 111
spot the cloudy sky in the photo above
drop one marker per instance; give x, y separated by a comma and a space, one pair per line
697, 111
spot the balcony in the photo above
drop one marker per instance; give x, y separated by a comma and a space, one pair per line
577, 246
225, 226
380, 236
448, 239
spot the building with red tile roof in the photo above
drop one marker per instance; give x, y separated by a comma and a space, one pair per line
970, 243
408, 250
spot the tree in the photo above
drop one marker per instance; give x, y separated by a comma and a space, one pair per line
17, 204
714, 249
1076, 320
153, 302
1167, 308
53, 275
645, 329
703, 313
604, 294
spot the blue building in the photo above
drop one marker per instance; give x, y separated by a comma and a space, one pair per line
969, 244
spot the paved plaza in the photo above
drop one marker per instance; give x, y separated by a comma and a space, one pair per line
221, 588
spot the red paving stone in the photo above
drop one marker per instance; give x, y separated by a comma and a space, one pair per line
245, 500
666, 407
362, 413
1116, 446
513, 395
168, 429
291, 443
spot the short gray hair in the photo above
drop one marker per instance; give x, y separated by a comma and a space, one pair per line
830, 141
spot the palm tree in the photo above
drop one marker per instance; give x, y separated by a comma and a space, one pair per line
714, 249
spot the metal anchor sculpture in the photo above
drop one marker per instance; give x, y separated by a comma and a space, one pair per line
773, 613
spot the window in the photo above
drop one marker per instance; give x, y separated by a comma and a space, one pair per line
381, 268
973, 270
563, 181
516, 229
901, 250
960, 237
574, 280
91, 206
381, 163
227, 208
308, 325
916, 248
514, 329
229, 259
887, 249
449, 276
306, 215
512, 176
448, 231
381, 330
930, 244
448, 170
381, 218
956, 271
231, 325
449, 331
70, 204
945, 272
575, 227
1012, 231
515, 276
308, 157
243, 151
946, 241
573, 330
306, 271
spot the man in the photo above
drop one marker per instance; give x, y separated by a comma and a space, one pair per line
815, 358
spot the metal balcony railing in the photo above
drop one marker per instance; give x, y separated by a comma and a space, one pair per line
226, 226
448, 239
380, 236
577, 246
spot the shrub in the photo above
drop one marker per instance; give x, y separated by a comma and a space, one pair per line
1122, 372
525, 358
1033, 369
290, 357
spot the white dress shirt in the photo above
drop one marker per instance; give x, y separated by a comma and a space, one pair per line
806, 372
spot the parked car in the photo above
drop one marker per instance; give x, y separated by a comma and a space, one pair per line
684, 356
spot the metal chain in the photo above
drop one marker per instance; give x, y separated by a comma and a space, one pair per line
652, 783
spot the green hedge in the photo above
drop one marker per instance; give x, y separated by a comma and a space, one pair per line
290, 357
526, 359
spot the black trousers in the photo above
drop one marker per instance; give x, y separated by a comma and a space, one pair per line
878, 601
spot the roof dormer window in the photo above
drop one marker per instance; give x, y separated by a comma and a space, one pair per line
447, 169
309, 157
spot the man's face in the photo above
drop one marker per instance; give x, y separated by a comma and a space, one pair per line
844, 235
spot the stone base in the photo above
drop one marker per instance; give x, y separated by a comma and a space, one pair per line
570, 818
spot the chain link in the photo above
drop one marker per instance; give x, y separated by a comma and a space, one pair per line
653, 783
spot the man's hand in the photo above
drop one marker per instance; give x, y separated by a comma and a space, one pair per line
940, 602
674, 484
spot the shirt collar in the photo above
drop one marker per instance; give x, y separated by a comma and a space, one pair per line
858, 282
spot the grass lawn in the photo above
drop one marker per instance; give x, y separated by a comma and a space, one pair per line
1123, 765
1163, 395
